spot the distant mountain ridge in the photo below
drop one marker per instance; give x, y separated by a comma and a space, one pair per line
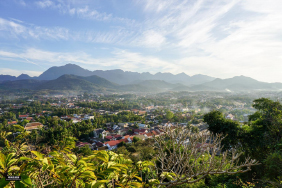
117, 76
11, 78
237, 83
72, 69
123, 77
73, 77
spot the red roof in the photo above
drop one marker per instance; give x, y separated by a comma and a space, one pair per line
140, 130
113, 142
22, 115
149, 134
126, 136
12, 122
116, 136
99, 144
123, 140
109, 137
154, 133
82, 144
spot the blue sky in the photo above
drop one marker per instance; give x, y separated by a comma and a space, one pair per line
222, 38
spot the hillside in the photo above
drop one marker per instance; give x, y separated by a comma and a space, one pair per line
7, 77
55, 72
76, 83
96, 80
21, 84
239, 83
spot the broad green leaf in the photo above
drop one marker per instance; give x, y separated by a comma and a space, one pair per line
38, 154
2, 160
14, 168
11, 162
9, 159
136, 184
19, 184
154, 181
26, 180
45, 161
24, 159
72, 157
3, 182
139, 178
96, 184
88, 174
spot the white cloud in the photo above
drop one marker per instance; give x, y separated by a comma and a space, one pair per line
151, 38
20, 2
82, 10
44, 3
21, 30
120, 58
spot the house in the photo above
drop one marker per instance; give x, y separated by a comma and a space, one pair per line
32, 126
140, 125
117, 136
99, 144
115, 127
141, 112
12, 122
123, 125
88, 117
140, 131
81, 144
168, 125
155, 133
230, 116
23, 116
97, 133
135, 111
29, 118
75, 120
109, 137
148, 135
113, 144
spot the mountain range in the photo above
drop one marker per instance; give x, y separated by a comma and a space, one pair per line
73, 77
123, 77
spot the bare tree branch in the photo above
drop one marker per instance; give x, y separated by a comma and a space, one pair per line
186, 157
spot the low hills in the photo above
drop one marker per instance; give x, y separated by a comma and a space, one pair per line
237, 83
78, 83
74, 78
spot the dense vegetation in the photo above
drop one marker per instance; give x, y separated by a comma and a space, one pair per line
261, 138
48, 157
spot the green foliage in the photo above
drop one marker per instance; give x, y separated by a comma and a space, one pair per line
169, 115
136, 139
273, 165
62, 168
84, 151
260, 139
219, 125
